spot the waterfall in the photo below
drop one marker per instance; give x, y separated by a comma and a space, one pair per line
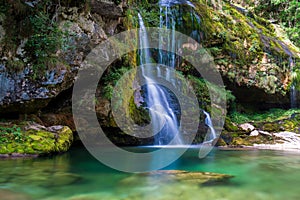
293, 97
212, 134
293, 90
159, 100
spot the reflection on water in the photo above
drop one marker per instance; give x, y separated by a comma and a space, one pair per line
76, 175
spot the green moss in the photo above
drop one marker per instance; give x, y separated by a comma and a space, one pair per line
221, 142
4, 150
64, 140
271, 127
229, 126
201, 90
38, 142
238, 141
292, 125
139, 115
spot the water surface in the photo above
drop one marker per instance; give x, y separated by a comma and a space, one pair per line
76, 175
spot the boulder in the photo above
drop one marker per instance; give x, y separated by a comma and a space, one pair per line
254, 133
163, 176
33, 139
247, 127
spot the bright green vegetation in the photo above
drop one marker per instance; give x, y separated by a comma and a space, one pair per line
14, 139
283, 12
286, 12
111, 78
267, 116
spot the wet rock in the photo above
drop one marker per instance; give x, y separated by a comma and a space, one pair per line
20, 93
63, 179
265, 133
163, 176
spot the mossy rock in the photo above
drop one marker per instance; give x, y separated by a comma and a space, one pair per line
43, 146
238, 141
229, 126
271, 127
291, 125
221, 143
4, 150
37, 140
64, 140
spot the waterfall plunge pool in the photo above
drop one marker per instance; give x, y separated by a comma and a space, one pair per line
258, 174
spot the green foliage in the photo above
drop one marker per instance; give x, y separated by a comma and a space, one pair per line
139, 114
267, 116
201, 90
39, 26
286, 12
45, 40
296, 77
149, 12
255, 46
11, 133
111, 79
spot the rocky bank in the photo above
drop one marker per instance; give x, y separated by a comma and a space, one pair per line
252, 54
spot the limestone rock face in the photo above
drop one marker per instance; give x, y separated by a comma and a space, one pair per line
21, 93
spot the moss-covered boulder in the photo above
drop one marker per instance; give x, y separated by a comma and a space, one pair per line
33, 139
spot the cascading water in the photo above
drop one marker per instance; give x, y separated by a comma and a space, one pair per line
293, 90
293, 97
212, 134
157, 98
159, 101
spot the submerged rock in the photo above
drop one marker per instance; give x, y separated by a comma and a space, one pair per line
163, 176
10, 195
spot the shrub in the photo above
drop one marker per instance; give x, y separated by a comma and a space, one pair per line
44, 42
